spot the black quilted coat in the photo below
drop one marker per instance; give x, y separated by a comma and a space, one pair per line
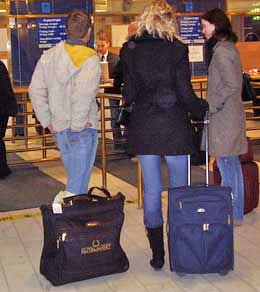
157, 83
7, 98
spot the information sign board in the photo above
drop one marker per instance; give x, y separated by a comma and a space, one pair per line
190, 29
51, 30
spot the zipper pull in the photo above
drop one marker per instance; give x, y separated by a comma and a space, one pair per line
62, 237
58, 242
180, 204
205, 227
228, 220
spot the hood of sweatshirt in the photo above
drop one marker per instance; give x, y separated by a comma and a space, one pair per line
68, 59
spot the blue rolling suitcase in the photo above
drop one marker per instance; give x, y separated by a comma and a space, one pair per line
200, 227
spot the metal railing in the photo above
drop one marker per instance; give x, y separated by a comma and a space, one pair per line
42, 144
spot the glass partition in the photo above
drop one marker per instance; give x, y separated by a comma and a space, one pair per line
36, 25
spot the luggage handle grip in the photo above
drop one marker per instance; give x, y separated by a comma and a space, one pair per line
103, 190
206, 123
89, 196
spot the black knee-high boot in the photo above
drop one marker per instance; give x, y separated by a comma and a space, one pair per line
155, 236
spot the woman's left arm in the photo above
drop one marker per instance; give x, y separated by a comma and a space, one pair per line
128, 91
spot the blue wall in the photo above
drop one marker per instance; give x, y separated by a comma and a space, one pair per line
27, 42
197, 5
49, 6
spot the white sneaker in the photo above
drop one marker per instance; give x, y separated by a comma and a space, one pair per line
61, 195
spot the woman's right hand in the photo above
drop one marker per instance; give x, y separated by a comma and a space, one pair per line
204, 107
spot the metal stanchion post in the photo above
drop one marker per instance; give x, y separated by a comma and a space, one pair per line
103, 142
140, 185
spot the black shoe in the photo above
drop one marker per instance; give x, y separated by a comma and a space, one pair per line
120, 147
19, 135
4, 172
155, 237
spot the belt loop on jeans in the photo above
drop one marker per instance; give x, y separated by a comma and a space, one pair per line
66, 134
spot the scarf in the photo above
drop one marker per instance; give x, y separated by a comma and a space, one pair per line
210, 44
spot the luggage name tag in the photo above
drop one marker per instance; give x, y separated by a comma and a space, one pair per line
56, 208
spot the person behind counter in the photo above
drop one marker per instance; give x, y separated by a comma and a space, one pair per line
227, 134
115, 74
63, 93
157, 83
8, 108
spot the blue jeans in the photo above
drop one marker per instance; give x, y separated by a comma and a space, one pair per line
78, 152
20, 120
232, 176
152, 178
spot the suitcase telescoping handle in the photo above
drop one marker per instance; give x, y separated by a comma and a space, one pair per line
206, 132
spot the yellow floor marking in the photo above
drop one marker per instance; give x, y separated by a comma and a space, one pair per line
38, 214
19, 216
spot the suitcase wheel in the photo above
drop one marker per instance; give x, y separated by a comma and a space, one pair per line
181, 274
223, 273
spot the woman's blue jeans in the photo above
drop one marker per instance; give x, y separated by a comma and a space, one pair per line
78, 152
232, 176
152, 178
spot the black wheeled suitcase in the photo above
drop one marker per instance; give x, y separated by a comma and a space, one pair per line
200, 227
83, 241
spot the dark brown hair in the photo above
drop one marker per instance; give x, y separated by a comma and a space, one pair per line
78, 23
223, 27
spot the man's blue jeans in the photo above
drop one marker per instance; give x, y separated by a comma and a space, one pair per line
152, 178
78, 152
232, 176
20, 120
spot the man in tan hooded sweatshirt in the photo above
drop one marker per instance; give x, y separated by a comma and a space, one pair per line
63, 93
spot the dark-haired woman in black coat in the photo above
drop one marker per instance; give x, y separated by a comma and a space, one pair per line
7, 109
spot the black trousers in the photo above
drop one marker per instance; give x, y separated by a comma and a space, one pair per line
3, 161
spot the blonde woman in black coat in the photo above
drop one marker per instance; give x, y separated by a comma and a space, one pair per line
7, 108
157, 83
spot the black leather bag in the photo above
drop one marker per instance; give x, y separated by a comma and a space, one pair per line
124, 115
248, 92
84, 241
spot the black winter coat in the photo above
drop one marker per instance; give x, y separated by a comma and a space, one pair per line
157, 82
7, 97
115, 72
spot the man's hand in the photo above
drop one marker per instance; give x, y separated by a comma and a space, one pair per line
88, 125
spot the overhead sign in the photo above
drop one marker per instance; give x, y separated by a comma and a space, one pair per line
51, 30
190, 29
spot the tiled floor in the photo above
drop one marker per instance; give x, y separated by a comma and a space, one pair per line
21, 242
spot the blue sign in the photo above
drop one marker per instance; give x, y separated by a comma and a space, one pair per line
51, 30
46, 7
190, 29
197, 5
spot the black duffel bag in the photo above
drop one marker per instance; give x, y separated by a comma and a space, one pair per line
84, 241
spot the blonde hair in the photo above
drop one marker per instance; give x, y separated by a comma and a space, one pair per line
158, 19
